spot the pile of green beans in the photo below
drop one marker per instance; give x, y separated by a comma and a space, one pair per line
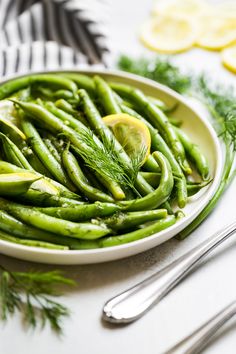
51, 197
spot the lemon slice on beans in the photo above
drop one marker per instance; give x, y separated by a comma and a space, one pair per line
229, 58
188, 8
169, 35
217, 32
132, 134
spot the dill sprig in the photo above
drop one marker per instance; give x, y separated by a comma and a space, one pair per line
31, 293
104, 157
220, 101
159, 69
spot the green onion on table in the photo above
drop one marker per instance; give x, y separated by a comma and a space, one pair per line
107, 165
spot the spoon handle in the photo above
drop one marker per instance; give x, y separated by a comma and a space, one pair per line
196, 341
134, 302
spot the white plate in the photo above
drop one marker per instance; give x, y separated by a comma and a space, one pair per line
199, 130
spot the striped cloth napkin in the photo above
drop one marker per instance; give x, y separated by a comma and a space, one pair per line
51, 34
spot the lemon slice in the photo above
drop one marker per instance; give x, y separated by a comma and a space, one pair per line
227, 8
217, 32
8, 111
229, 58
131, 133
169, 34
182, 8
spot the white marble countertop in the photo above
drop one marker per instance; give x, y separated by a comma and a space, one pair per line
198, 297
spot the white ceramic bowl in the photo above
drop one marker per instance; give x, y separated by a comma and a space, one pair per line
199, 130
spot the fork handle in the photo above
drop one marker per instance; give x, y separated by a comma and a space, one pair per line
196, 341
134, 302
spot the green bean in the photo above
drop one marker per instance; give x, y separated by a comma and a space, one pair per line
151, 165
13, 153
96, 122
44, 92
31, 243
36, 164
92, 178
44, 154
194, 188
160, 104
11, 86
82, 212
76, 175
16, 183
63, 94
54, 124
66, 117
138, 234
158, 119
121, 221
52, 149
153, 178
13, 226
194, 153
38, 198
106, 96
160, 195
175, 122
49, 223
17, 228
110, 241
82, 81
19, 139
168, 207
160, 145
65, 106
10, 225
50, 94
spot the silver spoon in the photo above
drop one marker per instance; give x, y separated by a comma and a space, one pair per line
197, 341
136, 301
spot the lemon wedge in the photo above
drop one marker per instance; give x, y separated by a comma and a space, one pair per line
229, 58
181, 8
217, 32
169, 34
131, 133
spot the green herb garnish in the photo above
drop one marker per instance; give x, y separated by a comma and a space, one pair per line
158, 69
31, 294
108, 160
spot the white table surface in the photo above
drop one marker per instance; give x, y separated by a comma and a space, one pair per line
199, 296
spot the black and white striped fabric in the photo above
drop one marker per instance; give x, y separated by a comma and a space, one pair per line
51, 34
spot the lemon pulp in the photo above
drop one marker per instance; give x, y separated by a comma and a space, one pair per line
132, 134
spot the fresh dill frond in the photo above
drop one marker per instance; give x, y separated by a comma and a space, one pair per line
159, 69
31, 294
221, 102
104, 157
229, 132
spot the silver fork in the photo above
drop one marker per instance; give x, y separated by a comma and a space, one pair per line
136, 301
197, 341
